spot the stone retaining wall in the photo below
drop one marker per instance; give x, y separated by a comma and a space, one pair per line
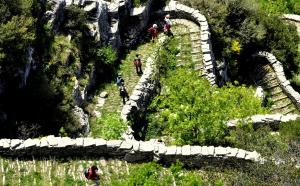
284, 83
132, 151
272, 120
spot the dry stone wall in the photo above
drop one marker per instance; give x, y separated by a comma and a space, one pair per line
292, 17
272, 120
132, 151
284, 83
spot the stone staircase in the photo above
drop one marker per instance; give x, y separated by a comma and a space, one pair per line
190, 45
55, 171
266, 77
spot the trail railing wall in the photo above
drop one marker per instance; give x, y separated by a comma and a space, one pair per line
132, 151
272, 120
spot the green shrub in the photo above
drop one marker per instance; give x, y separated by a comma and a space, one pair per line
109, 126
106, 55
193, 112
291, 130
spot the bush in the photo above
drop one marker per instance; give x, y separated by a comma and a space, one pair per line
109, 126
193, 112
106, 55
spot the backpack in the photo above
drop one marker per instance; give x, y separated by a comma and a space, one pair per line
86, 174
119, 81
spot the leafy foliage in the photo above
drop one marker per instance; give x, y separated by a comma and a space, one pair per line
110, 126
251, 24
106, 55
192, 112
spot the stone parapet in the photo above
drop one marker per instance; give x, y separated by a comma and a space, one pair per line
291, 17
130, 150
272, 120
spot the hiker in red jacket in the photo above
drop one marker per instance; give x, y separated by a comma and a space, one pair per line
154, 32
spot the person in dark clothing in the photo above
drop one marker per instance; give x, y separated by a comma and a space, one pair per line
123, 93
138, 64
92, 173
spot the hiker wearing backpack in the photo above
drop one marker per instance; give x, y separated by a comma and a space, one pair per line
123, 93
153, 31
138, 64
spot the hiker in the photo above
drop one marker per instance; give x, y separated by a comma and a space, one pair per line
92, 173
167, 25
123, 93
153, 31
119, 80
138, 64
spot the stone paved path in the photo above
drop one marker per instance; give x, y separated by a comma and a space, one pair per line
188, 34
58, 172
190, 46
265, 77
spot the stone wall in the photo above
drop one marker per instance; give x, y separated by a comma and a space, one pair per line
292, 17
284, 83
272, 120
132, 151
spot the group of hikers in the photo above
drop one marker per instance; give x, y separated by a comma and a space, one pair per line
167, 28
137, 60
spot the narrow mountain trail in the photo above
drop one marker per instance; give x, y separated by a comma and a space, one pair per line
188, 35
59, 172
265, 76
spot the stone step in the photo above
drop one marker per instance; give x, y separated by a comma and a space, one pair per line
196, 40
266, 79
275, 90
278, 97
271, 86
196, 52
285, 110
290, 111
281, 104
186, 33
